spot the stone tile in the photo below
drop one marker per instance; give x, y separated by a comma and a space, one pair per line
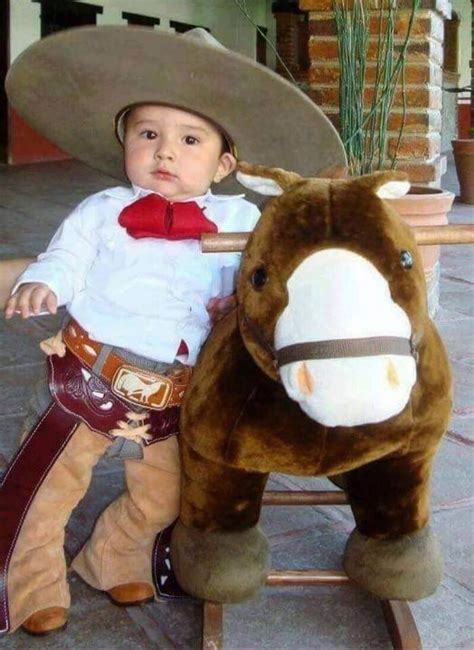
170, 624
444, 620
318, 617
446, 316
459, 301
10, 432
458, 337
17, 384
452, 476
456, 534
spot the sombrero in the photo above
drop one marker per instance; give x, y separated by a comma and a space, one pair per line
72, 85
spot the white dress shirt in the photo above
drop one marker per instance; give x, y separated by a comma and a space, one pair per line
145, 295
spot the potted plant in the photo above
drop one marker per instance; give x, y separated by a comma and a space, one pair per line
371, 75
463, 149
464, 159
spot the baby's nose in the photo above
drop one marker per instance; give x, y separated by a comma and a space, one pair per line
164, 148
164, 153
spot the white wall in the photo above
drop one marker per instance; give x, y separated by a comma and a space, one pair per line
25, 27
463, 8
222, 17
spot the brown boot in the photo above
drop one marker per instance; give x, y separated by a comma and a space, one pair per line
45, 621
132, 593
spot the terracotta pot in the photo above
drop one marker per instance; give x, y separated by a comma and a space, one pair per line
464, 159
425, 206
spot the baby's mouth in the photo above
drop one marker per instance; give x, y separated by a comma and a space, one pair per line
163, 173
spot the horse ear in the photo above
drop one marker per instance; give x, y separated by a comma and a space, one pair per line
269, 181
390, 185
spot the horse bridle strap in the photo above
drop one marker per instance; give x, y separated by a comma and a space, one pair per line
340, 348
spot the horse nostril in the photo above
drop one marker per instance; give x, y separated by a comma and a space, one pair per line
392, 376
304, 379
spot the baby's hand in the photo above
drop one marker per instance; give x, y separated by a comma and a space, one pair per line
29, 298
217, 308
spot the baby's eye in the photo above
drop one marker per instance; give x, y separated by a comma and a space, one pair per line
190, 139
148, 135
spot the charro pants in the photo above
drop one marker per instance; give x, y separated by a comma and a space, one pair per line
120, 548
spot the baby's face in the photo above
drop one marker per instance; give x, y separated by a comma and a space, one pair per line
174, 153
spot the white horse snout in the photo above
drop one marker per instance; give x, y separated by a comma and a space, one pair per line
336, 294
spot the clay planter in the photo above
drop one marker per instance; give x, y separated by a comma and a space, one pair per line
464, 158
426, 206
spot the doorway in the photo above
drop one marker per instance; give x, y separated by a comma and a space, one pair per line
4, 60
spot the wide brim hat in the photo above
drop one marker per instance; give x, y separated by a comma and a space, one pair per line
71, 86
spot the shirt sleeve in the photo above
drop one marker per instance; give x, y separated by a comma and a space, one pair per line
69, 256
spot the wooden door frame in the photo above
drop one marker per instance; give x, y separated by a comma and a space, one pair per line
4, 65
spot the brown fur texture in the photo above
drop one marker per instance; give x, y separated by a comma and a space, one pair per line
238, 424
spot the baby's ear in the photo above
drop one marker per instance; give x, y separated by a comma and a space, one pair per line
227, 164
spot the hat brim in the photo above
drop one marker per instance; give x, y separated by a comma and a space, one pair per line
70, 87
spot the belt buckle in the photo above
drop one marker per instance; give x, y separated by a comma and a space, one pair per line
138, 386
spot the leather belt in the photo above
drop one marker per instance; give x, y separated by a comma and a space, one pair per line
146, 388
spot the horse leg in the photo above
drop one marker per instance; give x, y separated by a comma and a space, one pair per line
393, 553
218, 552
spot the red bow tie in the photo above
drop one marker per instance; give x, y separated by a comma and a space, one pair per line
155, 216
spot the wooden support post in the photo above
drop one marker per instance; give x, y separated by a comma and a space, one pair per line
401, 625
212, 626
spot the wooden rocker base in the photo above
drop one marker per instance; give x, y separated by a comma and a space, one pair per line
399, 620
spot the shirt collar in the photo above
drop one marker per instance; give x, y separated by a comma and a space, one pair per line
135, 192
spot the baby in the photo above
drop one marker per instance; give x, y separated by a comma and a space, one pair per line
127, 264
139, 292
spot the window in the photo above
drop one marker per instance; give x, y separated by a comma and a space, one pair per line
63, 14
138, 19
451, 44
262, 45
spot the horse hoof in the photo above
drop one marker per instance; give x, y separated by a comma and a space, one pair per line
46, 621
409, 567
131, 593
222, 566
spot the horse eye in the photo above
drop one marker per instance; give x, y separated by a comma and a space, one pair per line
259, 277
406, 259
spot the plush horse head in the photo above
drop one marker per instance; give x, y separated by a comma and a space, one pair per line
340, 266
329, 365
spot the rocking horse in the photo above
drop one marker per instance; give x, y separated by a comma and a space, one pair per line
328, 366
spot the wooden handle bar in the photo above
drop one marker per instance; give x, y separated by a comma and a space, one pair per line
456, 234
306, 578
304, 498
229, 242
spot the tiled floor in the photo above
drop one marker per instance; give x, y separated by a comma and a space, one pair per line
33, 199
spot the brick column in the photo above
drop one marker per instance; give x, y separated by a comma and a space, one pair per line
419, 153
291, 40
287, 41
471, 63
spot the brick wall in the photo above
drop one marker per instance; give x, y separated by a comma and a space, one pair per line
471, 132
419, 153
